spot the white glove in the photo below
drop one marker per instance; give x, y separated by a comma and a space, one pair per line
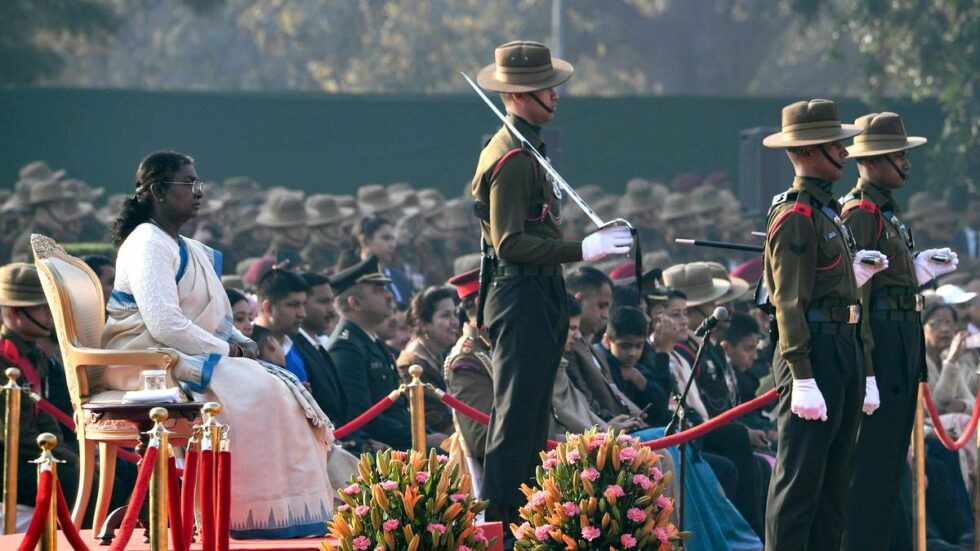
871, 398
927, 269
607, 241
807, 401
863, 271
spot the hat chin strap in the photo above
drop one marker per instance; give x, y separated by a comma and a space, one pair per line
30, 318
534, 96
829, 158
898, 171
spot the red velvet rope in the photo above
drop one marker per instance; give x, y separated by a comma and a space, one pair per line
173, 506
41, 508
207, 500
187, 494
67, 526
466, 409
136, 500
224, 500
941, 433
363, 419
713, 423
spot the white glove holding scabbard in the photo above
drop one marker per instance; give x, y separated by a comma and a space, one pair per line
867, 264
927, 267
807, 402
871, 399
607, 241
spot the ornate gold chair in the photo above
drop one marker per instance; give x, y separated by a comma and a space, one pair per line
75, 297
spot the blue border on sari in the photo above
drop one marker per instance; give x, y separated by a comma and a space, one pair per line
183, 259
217, 259
207, 369
296, 531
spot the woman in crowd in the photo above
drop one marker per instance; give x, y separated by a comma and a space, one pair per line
375, 236
435, 327
241, 311
168, 293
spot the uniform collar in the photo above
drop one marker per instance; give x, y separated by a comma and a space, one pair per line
531, 132
881, 196
821, 190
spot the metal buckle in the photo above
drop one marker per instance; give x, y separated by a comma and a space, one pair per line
920, 302
853, 314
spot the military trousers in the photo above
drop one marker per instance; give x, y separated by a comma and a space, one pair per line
883, 438
808, 490
527, 319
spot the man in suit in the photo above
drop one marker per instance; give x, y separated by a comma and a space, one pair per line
310, 343
282, 308
966, 242
365, 366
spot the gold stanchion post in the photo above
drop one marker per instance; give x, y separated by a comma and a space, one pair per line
11, 438
416, 407
919, 476
49, 538
158, 482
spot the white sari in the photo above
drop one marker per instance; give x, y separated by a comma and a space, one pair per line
169, 294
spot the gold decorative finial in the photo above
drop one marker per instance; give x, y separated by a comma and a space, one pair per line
47, 441
415, 371
159, 415
12, 374
212, 409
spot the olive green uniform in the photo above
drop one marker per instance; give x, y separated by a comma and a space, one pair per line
469, 377
525, 307
810, 277
892, 307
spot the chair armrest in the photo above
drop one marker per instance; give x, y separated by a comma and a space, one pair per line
161, 358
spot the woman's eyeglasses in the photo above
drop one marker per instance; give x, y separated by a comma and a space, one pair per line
198, 186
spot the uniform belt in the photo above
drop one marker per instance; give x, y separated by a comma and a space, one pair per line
834, 329
841, 315
895, 315
908, 303
518, 269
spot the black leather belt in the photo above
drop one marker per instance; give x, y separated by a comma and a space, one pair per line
517, 269
908, 303
846, 315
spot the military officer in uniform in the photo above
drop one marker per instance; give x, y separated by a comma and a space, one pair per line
365, 367
467, 367
812, 273
525, 306
892, 338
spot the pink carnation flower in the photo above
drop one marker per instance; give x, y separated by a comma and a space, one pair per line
590, 532
549, 463
614, 491
436, 527
421, 477
480, 536
538, 498
642, 481
628, 541
361, 543
541, 532
590, 474
636, 515
663, 502
523, 530
442, 459
627, 454
391, 524
361, 510
352, 489
344, 508
656, 474
570, 508
595, 443
463, 548
661, 535
572, 455
389, 485
458, 497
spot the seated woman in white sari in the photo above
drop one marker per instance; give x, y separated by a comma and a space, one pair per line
168, 293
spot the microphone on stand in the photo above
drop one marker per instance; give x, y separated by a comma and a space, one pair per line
720, 314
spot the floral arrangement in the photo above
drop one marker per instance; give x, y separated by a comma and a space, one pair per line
405, 500
598, 490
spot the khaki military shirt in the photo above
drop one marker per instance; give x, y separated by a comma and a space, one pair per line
469, 377
807, 258
865, 211
512, 189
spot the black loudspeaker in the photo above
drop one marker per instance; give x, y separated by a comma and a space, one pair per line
762, 172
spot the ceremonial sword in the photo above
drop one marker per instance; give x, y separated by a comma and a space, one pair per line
543, 161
